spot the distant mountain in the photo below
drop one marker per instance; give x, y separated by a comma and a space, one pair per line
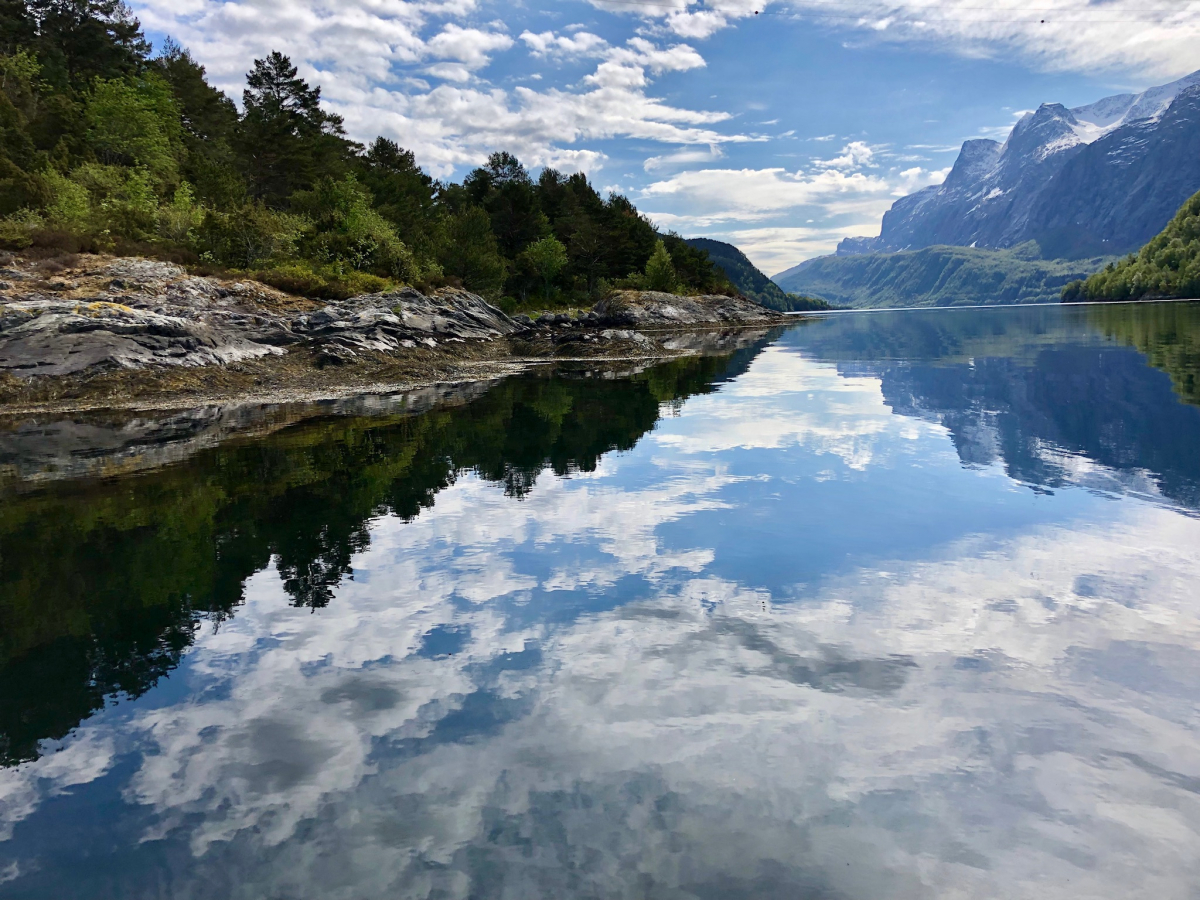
748, 279
1167, 267
936, 276
1096, 180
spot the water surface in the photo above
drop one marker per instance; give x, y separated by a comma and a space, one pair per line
884, 605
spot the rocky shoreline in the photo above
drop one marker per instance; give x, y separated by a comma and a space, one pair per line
102, 332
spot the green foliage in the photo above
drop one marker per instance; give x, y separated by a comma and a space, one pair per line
934, 276
288, 142
660, 271
802, 303
249, 236
745, 276
136, 123
1167, 267
469, 252
325, 282
546, 258
162, 550
178, 220
348, 233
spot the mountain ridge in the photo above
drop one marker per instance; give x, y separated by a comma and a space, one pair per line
1096, 179
937, 276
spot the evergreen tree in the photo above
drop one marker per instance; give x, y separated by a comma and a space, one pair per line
100, 144
505, 190
660, 271
79, 40
209, 125
403, 194
287, 140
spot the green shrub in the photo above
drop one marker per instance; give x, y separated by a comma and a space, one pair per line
348, 235
306, 280
178, 220
249, 236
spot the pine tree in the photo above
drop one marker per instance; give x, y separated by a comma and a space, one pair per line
287, 139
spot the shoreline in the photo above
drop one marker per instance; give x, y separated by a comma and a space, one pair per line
137, 335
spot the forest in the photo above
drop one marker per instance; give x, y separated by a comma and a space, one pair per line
107, 145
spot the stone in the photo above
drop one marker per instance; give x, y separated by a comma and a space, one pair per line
651, 309
135, 313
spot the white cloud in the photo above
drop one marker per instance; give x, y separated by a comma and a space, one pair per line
847, 204
690, 19
365, 54
581, 43
855, 155
682, 157
712, 196
1150, 41
470, 46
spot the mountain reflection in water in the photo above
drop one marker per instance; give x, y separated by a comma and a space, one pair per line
898, 604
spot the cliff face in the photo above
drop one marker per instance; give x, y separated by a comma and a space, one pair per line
1097, 179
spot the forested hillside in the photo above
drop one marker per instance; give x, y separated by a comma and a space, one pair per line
936, 276
1167, 267
106, 145
748, 279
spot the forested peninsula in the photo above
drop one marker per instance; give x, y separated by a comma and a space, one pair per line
108, 146
160, 244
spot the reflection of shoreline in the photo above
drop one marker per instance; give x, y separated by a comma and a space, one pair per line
821, 313
1104, 397
39, 448
103, 444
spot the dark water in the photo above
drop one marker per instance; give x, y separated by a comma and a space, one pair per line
886, 605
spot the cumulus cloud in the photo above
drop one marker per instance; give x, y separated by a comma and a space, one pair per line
470, 46
720, 202
371, 58
692, 19
579, 43
714, 196
855, 155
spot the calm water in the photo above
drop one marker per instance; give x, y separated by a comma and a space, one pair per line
897, 605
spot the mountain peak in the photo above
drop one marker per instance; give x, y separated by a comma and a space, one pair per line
1103, 177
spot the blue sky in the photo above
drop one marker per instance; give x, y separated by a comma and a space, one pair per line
781, 132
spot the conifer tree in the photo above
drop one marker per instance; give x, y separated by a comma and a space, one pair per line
660, 271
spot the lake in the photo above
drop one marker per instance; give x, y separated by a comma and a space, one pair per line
898, 605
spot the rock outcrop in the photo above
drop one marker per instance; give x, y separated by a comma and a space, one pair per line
654, 310
97, 316
132, 313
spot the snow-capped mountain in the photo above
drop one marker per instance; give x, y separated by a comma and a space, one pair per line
1101, 178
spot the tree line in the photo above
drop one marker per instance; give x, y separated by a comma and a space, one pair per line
107, 145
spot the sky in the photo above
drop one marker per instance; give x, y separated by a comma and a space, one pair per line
780, 126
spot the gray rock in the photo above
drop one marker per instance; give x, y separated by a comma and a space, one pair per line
651, 309
152, 313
